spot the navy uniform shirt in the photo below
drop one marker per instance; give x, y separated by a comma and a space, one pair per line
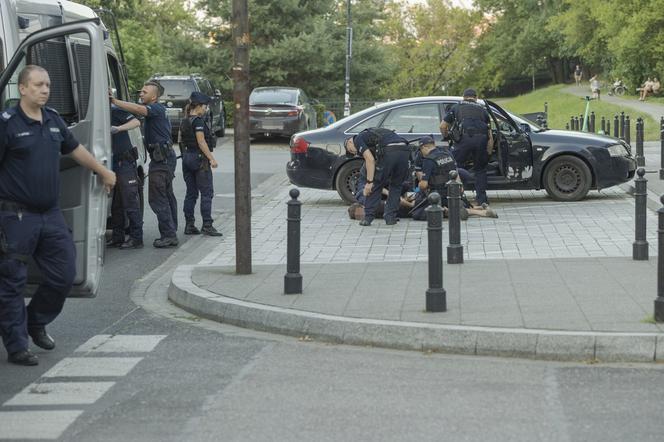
157, 125
30, 153
360, 141
120, 141
429, 166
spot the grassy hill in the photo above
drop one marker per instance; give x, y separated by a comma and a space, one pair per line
562, 106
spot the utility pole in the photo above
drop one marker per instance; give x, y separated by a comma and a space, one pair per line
241, 41
349, 55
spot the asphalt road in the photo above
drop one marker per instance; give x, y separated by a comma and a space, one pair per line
206, 381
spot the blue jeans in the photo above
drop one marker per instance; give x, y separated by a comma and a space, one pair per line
47, 238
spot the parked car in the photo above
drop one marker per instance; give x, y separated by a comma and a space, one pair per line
178, 88
566, 164
283, 111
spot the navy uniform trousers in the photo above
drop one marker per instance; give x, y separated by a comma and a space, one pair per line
474, 147
161, 197
198, 178
391, 173
47, 238
127, 201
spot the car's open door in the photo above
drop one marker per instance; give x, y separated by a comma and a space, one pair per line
74, 55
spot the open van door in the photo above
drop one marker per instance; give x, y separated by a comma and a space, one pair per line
74, 56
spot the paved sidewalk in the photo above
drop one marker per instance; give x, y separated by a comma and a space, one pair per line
545, 280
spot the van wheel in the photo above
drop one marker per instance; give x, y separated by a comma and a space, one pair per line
346, 181
567, 178
220, 133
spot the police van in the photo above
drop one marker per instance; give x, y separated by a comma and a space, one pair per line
71, 42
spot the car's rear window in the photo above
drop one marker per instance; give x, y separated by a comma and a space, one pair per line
177, 88
273, 96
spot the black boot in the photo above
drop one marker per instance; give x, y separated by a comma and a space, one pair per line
191, 229
209, 230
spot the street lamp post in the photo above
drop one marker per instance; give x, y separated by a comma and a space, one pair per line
349, 55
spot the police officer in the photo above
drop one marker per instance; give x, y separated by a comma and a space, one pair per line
469, 124
436, 165
126, 195
162, 160
386, 156
197, 164
32, 139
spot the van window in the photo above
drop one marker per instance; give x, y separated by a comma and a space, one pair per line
36, 22
116, 78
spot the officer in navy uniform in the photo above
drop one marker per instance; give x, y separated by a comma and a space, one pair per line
197, 164
474, 132
386, 156
126, 195
433, 175
33, 137
162, 160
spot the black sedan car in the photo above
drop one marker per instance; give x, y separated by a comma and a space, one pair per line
280, 111
566, 164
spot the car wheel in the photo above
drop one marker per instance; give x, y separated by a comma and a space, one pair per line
567, 178
346, 181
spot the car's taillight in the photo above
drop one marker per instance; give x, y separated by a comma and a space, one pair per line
295, 112
299, 145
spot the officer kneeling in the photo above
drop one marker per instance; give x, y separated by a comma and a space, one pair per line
32, 139
386, 157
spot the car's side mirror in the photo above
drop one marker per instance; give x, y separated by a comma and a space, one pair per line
525, 127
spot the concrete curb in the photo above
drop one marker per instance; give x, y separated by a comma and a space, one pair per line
528, 343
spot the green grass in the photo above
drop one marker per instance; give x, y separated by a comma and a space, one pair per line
562, 106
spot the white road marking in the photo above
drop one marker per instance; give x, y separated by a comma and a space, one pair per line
36, 424
91, 367
61, 393
121, 343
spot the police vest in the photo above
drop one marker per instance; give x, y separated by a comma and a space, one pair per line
188, 135
444, 164
471, 118
375, 141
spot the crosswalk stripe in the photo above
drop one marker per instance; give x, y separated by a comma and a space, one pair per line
36, 424
121, 343
60, 393
91, 367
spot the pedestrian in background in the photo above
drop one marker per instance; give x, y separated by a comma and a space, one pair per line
33, 137
595, 86
126, 203
162, 160
578, 75
197, 164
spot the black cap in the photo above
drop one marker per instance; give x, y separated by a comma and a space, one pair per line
470, 93
199, 98
426, 140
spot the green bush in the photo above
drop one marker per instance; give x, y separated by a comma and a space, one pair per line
320, 110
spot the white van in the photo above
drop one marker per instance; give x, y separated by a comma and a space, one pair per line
73, 45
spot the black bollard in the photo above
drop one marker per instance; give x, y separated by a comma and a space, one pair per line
454, 249
603, 125
436, 297
659, 302
591, 125
640, 245
628, 130
566, 126
661, 148
616, 128
581, 121
622, 125
577, 124
608, 127
293, 278
571, 123
639, 157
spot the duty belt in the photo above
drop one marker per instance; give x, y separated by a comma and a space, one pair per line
12, 206
396, 147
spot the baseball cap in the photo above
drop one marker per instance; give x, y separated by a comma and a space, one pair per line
470, 93
426, 140
199, 98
